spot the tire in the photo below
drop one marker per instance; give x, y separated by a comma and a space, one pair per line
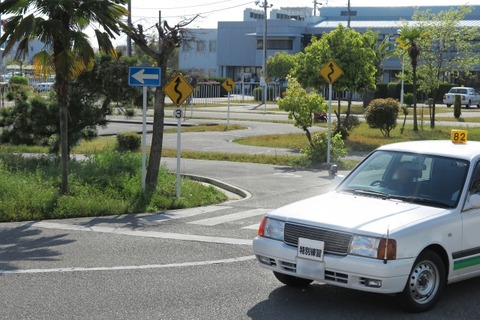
448, 105
291, 280
425, 283
467, 106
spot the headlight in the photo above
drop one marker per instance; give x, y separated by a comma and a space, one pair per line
271, 228
379, 248
364, 246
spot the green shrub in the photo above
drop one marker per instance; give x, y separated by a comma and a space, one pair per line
128, 141
18, 80
318, 153
408, 99
382, 114
346, 125
457, 106
258, 93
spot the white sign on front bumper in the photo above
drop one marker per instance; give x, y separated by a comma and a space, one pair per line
310, 258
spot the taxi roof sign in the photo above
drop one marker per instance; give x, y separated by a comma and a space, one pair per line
459, 136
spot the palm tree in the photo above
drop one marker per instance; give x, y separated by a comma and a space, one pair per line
382, 53
409, 41
60, 24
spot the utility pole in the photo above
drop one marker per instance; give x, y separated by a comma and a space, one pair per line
129, 22
159, 25
349, 14
264, 6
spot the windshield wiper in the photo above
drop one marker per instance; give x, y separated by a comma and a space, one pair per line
368, 192
424, 201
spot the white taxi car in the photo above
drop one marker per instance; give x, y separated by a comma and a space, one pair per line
406, 220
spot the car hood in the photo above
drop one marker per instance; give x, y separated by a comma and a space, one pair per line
354, 213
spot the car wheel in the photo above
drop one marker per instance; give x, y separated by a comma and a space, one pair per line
449, 105
292, 280
467, 106
425, 283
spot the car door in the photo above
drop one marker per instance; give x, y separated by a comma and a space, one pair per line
467, 262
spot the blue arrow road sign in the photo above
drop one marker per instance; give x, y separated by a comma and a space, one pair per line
144, 76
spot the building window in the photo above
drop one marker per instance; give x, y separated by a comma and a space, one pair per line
281, 44
201, 46
256, 16
212, 46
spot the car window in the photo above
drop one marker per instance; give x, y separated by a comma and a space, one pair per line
458, 90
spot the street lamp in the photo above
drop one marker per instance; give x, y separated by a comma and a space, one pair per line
263, 80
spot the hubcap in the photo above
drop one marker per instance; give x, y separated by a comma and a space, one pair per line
423, 282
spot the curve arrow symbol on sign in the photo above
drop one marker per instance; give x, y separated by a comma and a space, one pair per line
140, 76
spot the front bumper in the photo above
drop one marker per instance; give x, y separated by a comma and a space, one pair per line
345, 271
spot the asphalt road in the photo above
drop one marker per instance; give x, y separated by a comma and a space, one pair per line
184, 264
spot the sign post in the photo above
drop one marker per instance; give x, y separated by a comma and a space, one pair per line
178, 90
144, 77
228, 85
330, 72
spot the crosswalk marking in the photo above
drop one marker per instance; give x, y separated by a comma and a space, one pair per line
230, 217
253, 226
184, 213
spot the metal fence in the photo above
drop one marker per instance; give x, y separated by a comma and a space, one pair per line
213, 92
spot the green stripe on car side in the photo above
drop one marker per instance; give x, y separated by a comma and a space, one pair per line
465, 263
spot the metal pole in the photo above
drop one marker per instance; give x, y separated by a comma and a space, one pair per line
330, 89
144, 138
264, 6
264, 67
228, 111
179, 153
129, 22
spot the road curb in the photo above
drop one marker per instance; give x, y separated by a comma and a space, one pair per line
243, 194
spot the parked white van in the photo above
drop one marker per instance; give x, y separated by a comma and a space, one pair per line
44, 86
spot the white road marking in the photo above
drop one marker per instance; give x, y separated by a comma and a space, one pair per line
183, 213
121, 268
253, 226
230, 217
140, 233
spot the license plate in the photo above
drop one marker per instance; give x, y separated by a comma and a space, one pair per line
310, 249
310, 259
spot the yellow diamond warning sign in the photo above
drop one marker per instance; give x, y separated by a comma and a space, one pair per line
331, 72
178, 89
228, 84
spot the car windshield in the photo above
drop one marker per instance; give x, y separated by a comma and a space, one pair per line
425, 179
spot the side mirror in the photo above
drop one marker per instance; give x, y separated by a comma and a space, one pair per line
474, 200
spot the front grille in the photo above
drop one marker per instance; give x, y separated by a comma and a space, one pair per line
335, 242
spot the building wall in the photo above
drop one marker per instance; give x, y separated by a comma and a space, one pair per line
199, 55
238, 53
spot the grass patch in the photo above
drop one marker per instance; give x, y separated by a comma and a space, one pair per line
107, 183
280, 160
293, 141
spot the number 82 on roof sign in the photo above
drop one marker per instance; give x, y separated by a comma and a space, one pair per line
459, 136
